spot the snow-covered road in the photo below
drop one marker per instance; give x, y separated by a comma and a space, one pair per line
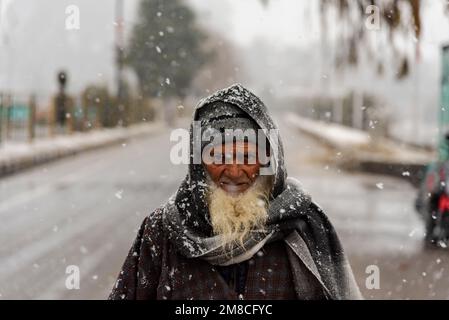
84, 211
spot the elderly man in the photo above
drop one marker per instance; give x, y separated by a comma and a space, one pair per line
238, 227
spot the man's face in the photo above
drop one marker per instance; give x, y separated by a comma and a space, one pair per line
234, 176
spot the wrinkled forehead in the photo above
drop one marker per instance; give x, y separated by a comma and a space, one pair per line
235, 146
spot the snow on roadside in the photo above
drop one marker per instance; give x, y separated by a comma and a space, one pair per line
336, 135
16, 155
358, 144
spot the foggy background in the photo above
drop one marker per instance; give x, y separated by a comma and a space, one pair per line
268, 44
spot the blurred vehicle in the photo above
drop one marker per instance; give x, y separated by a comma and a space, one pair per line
433, 196
433, 202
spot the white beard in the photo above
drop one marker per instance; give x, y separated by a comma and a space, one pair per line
233, 217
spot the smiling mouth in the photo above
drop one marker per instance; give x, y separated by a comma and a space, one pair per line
235, 184
234, 187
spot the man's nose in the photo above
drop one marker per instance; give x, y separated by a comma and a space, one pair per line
233, 171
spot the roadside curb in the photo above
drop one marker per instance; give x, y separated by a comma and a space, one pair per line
358, 157
52, 149
411, 172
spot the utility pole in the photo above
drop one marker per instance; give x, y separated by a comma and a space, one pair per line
119, 52
415, 96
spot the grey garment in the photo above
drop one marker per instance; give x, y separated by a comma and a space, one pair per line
219, 120
187, 220
222, 115
304, 267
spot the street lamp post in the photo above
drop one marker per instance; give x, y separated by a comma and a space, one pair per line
119, 51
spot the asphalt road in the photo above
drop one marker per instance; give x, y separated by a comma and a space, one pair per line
85, 210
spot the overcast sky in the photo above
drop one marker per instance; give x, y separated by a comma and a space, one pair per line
36, 43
